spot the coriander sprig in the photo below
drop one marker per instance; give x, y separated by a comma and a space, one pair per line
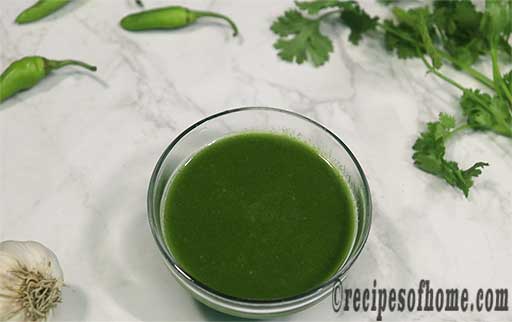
300, 38
453, 32
430, 149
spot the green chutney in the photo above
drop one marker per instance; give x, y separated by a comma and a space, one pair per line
259, 216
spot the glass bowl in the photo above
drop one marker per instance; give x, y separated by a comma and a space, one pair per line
260, 119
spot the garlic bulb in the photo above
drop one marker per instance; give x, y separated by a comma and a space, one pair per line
30, 281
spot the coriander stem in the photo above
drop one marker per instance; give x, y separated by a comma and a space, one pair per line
325, 15
457, 129
497, 74
398, 33
468, 69
454, 83
440, 75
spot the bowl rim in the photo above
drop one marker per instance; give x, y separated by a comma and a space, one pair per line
182, 272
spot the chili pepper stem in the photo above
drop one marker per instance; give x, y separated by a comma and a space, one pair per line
56, 64
218, 15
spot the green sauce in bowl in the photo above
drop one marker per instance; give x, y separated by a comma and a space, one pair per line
259, 216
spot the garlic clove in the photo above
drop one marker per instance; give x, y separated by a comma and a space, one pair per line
10, 309
15, 317
8, 312
8, 282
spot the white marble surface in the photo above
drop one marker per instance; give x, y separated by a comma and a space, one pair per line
77, 151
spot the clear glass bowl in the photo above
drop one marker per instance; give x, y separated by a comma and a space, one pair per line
259, 119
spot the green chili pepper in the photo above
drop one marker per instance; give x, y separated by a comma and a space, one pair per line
41, 9
169, 18
28, 71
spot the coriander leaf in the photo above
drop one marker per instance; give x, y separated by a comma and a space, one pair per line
301, 39
462, 179
456, 18
358, 21
314, 7
458, 26
486, 113
292, 22
443, 16
465, 15
497, 19
430, 151
428, 163
409, 17
468, 53
475, 171
447, 122
395, 43
419, 20
507, 78
431, 142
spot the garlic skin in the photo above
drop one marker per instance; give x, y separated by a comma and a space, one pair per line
31, 280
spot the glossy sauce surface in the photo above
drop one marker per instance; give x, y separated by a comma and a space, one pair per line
259, 216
